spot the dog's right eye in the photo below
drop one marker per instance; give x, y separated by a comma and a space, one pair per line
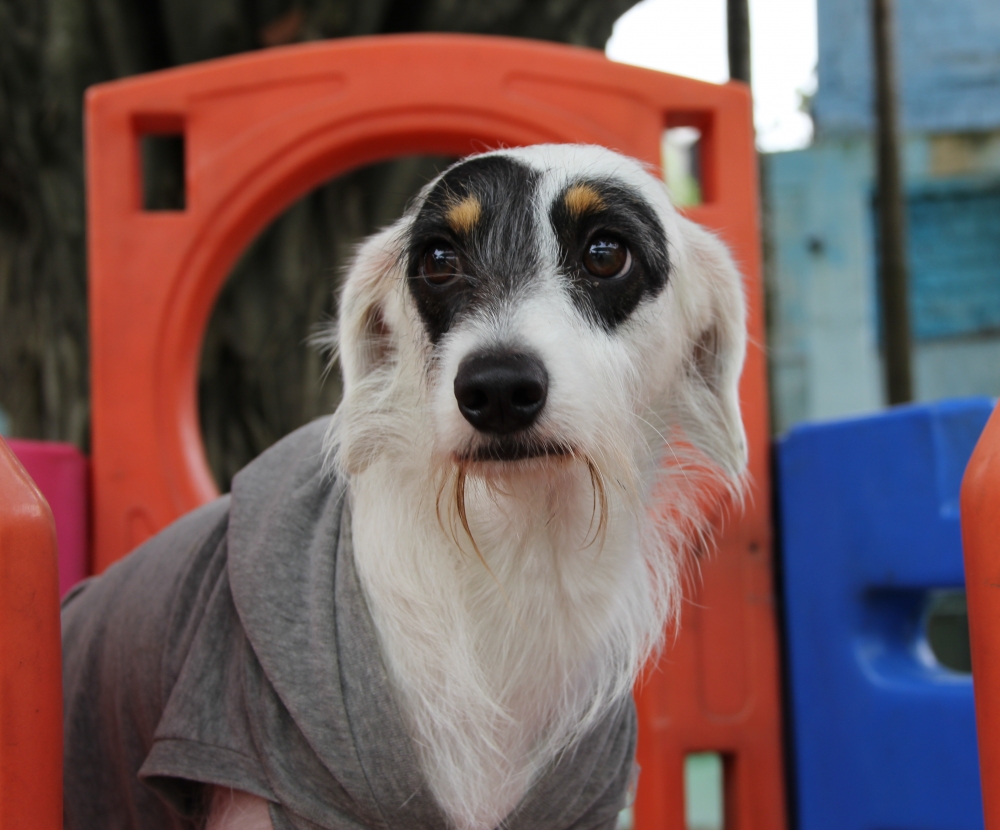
607, 257
439, 264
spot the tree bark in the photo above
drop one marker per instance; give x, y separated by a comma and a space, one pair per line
258, 379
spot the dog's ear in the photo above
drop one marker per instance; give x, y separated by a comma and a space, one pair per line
367, 345
364, 339
715, 313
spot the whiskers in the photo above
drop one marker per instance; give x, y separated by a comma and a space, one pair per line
599, 507
457, 477
498, 486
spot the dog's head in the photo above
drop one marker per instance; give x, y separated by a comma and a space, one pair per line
540, 305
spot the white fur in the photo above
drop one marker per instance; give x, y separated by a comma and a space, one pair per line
501, 663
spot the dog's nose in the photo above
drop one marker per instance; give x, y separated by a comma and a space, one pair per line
501, 392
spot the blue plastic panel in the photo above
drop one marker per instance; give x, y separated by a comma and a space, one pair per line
883, 737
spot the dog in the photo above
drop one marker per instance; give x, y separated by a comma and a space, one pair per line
540, 417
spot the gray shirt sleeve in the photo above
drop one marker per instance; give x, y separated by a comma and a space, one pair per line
125, 637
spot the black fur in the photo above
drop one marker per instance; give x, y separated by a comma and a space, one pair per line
500, 253
497, 256
624, 214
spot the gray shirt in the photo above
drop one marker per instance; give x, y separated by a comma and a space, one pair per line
235, 648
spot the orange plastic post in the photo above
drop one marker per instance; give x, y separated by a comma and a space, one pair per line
260, 131
980, 504
30, 656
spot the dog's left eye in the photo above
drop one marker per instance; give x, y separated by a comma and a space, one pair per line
439, 264
607, 257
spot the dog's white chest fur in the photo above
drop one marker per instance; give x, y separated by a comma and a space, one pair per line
497, 665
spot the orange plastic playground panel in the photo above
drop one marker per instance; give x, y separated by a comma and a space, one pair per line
259, 132
981, 547
30, 665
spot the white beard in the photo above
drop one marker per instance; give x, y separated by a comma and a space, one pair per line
499, 664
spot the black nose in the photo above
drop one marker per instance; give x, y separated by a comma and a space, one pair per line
501, 391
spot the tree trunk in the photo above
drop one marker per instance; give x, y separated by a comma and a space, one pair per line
259, 379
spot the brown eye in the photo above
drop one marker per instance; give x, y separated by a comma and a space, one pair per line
439, 264
607, 257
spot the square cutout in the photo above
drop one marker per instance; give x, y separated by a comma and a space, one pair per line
680, 152
162, 167
704, 791
946, 629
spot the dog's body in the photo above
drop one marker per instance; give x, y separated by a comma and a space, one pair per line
540, 368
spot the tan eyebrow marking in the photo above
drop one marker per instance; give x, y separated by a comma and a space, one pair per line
581, 198
462, 216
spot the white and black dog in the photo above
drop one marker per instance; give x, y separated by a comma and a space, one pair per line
526, 356
540, 364
529, 341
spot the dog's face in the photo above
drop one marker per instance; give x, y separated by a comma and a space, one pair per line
542, 304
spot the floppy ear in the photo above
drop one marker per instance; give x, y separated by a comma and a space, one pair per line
364, 422
715, 312
364, 339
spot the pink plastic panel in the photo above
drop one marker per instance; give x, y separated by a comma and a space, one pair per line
61, 473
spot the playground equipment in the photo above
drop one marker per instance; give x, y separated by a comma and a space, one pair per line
980, 503
31, 733
61, 473
869, 524
261, 130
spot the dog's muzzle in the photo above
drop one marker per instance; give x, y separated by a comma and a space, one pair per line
501, 392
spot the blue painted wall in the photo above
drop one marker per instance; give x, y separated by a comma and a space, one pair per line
954, 247
949, 61
822, 338
822, 301
823, 334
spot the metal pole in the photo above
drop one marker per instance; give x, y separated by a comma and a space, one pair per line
892, 266
738, 25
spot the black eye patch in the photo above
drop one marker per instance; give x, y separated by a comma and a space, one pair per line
473, 243
612, 247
